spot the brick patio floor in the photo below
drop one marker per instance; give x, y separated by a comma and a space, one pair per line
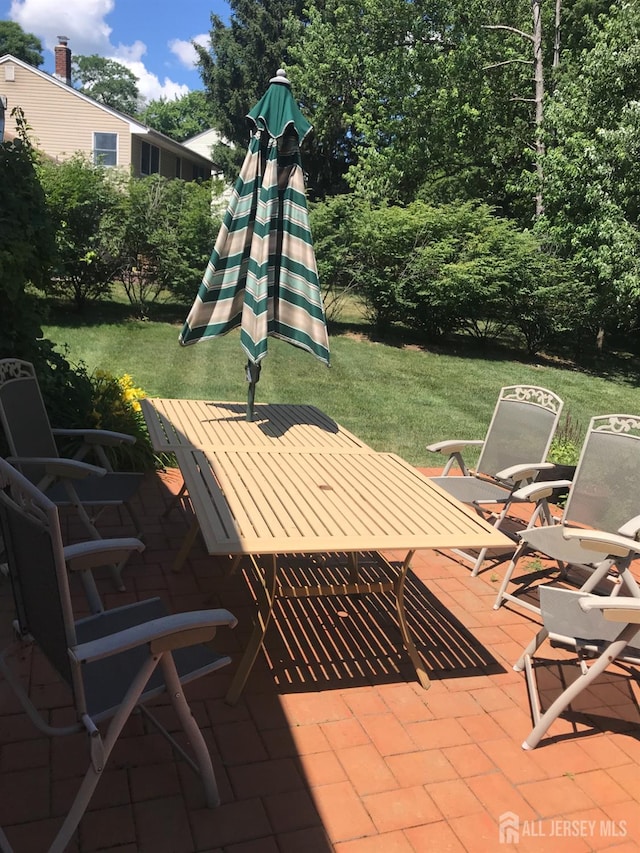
334, 746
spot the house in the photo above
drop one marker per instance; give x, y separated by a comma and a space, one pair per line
202, 142
63, 121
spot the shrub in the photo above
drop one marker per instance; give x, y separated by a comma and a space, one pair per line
86, 205
26, 248
115, 406
167, 239
75, 399
567, 442
475, 271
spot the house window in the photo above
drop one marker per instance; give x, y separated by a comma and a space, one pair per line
150, 159
105, 149
199, 173
178, 167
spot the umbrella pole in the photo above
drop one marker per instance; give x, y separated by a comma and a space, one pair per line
253, 375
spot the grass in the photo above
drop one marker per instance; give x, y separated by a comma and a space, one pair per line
395, 397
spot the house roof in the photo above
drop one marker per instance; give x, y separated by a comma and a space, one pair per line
136, 127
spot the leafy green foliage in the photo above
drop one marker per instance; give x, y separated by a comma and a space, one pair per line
107, 81
400, 95
115, 406
441, 269
179, 118
592, 169
22, 45
85, 204
566, 445
26, 248
167, 238
236, 67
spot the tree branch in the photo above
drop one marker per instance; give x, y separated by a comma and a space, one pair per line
520, 33
507, 62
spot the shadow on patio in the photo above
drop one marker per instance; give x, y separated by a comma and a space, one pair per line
333, 746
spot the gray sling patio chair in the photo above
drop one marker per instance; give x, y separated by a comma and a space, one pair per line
603, 495
603, 630
512, 454
112, 662
89, 488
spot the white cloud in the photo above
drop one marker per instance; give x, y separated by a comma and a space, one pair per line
83, 22
185, 50
150, 86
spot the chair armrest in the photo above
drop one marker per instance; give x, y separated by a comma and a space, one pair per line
607, 543
99, 552
614, 608
523, 471
536, 491
453, 446
53, 466
174, 631
630, 528
107, 438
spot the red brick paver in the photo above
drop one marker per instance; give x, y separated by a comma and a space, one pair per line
345, 759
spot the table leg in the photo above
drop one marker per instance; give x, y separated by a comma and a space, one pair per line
265, 593
407, 639
187, 545
175, 500
353, 567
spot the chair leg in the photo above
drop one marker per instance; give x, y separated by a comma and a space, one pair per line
4, 843
531, 649
478, 563
94, 771
502, 592
613, 650
192, 730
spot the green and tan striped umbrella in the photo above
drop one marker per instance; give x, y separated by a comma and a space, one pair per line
262, 274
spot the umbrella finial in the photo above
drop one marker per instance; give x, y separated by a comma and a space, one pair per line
280, 77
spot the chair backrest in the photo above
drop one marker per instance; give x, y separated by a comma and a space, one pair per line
22, 412
521, 429
33, 543
563, 617
606, 486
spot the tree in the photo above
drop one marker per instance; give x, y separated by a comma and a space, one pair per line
236, 68
167, 238
86, 205
398, 94
107, 81
15, 41
535, 39
26, 247
592, 171
179, 118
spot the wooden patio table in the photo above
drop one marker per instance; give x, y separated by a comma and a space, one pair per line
203, 423
262, 499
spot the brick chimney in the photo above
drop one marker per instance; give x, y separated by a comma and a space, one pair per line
63, 60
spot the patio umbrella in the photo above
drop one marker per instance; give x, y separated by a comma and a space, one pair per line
262, 274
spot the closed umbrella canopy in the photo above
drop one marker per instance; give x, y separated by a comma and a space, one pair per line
262, 274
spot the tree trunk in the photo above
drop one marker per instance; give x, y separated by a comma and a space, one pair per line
556, 35
536, 6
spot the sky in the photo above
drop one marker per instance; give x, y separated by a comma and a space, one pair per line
151, 37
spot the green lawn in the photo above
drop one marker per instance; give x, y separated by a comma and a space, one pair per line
395, 398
